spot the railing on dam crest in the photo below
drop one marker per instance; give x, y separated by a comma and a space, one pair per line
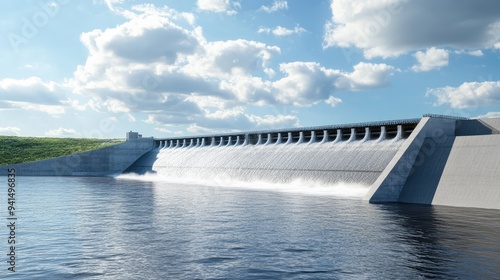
385, 130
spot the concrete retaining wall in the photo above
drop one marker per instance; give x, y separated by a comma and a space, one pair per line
444, 163
101, 162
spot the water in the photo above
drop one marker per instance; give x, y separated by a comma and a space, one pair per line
145, 228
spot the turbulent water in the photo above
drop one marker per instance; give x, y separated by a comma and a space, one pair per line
359, 162
143, 227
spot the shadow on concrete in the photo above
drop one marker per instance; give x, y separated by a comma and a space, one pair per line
421, 185
473, 127
144, 164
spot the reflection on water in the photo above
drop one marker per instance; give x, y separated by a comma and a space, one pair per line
449, 241
105, 228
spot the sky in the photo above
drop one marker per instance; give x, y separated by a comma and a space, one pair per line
100, 68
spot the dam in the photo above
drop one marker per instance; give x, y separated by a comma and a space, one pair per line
353, 153
439, 160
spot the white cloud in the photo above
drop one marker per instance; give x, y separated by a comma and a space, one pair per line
127, 71
33, 94
276, 6
32, 90
223, 58
431, 59
307, 83
274, 121
489, 115
62, 132
52, 110
333, 101
145, 38
281, 31
158, 67
468, 94
234, 119
390, 28
219, 6
266, 30
10, 130
368, 75
201, 84
476, 53
111, 4
116, 106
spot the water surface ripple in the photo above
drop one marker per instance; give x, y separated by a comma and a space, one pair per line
105, 228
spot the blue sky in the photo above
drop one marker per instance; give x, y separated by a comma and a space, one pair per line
103, 67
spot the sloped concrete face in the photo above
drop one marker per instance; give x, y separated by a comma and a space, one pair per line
471, 177
101, 162
389, 185
444, 163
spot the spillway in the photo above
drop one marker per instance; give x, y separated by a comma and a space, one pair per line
347, 155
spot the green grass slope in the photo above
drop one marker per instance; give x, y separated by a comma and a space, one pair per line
15, 149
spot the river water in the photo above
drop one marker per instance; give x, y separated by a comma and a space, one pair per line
141, 228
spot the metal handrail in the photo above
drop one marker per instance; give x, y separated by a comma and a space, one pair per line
298, 129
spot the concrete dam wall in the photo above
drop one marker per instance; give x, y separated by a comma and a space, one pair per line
435, 160
106, 161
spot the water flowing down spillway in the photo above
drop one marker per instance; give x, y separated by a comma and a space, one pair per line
326, 163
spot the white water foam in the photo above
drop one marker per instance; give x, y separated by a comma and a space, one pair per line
344, 169
298, 186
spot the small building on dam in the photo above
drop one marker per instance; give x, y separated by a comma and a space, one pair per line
438, 160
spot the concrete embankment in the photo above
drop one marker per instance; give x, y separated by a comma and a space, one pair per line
106, 161
445, 162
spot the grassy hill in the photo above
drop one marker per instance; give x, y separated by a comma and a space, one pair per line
15, 149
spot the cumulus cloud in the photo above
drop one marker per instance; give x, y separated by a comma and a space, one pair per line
62, 132
136, 62
146, 38
468, 94
431, 59
489, 115
181, 83
192, 82
333, 101
368, 75
276, 6
158, 64
219, 6
307, 83
34, 94
281, 31
393, 27
10, 130
224, 58
33, 90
